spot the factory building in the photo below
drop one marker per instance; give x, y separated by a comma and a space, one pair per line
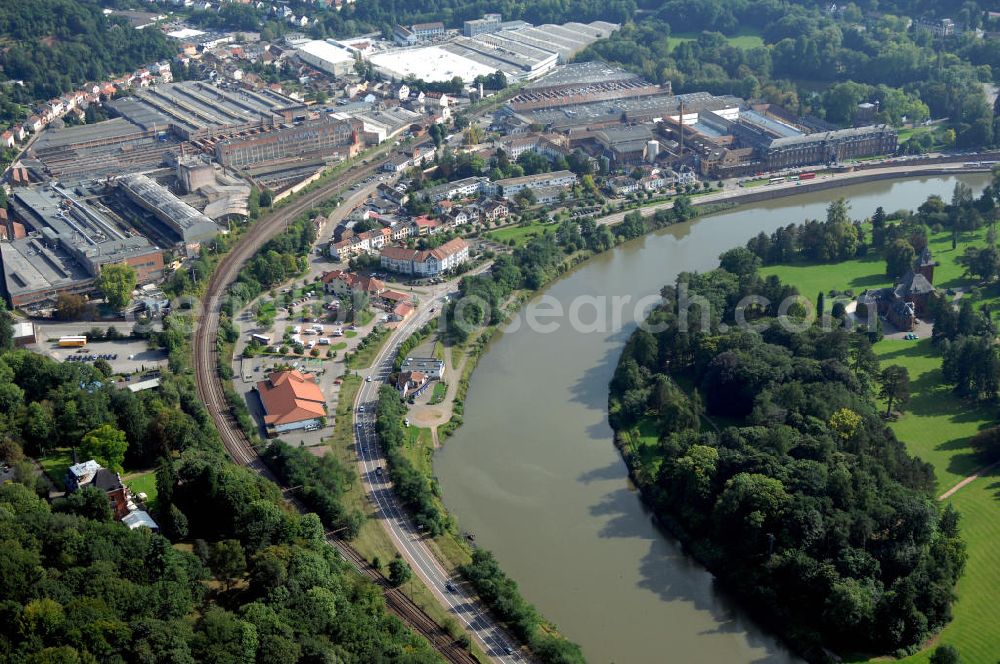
196, 110
331, 58
66, 244
778, 149
519, 50
482, 26
328, 139
189, 225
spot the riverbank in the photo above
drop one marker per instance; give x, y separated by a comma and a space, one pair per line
531, 461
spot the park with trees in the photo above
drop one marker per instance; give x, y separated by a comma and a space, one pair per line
949, 419
768, 455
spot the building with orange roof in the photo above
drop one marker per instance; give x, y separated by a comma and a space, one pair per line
292, 400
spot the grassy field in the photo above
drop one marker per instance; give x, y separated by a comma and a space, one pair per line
520, 234
936, 426
440, 390
745, 39
55, 464
869, 272
143, 482
363, 357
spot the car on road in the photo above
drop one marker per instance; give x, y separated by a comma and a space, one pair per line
450, 587
378, 471
368, 379
508, 650
361, 409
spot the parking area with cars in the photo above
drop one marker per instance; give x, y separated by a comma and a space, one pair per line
126, 356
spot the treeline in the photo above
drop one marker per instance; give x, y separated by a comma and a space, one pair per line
836, 238
870, 57
54, 46
413, 341
803, 503
250, 580
417, 492
500, 593
320, 482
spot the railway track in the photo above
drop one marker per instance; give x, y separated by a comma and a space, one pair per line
236, 442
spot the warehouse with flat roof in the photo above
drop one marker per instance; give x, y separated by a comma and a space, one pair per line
183, 220
326, 56
68, 241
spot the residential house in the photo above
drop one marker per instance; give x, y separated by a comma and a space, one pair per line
623, 185
493, 211
402, 311
91, 473
411, 383
427, 262
343, 284
457, 189
424, 225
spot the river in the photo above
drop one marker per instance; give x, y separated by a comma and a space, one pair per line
534, 475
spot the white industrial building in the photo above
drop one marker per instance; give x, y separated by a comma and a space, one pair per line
334, 59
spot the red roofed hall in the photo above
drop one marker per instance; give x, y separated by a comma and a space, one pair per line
292, 400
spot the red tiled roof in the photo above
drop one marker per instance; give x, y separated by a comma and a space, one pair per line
291, 396
395, 295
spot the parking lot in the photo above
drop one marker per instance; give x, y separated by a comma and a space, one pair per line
127, 355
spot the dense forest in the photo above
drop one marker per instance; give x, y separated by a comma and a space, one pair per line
772, 463
54, 46
235, 576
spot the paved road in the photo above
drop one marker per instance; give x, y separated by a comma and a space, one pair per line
412, 545
238, 446
732, 193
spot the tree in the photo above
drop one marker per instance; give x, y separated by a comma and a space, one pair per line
89, 502
895, 388
227, 561
6, 328
986, 443
399, 572
945, 654
878, 228
117, 281
70, 306
899, 258
105, 444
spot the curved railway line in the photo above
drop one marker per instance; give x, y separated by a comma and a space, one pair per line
238, 445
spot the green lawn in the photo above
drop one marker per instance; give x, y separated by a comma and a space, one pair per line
643, 441
936, 426
745, 39
420, 450
856, 275
363, 357
55, 464
440, 390
144, 482
520, 234
869, 272
350, 334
